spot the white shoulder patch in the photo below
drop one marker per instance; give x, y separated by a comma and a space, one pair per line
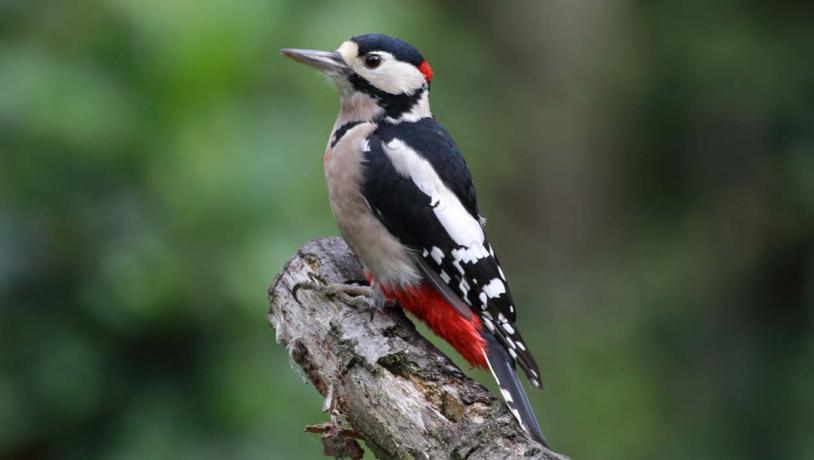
464, 229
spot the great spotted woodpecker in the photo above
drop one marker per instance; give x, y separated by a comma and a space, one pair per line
404, 201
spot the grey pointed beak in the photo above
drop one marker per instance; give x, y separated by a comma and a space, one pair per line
324, 61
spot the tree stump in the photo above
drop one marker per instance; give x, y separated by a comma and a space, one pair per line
382, 381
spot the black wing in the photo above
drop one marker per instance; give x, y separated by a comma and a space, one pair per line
471, 272
433, 142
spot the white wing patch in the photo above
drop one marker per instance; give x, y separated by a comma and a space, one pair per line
464, 229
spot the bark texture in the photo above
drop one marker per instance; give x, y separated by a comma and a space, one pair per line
383, 382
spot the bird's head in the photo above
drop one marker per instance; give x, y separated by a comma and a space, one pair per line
375, 70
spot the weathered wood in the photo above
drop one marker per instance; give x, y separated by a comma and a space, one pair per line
384, 382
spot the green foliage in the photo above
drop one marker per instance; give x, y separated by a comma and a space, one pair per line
647, 168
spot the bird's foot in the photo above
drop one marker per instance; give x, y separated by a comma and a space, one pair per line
356, 295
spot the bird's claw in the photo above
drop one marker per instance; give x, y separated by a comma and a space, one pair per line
352, 294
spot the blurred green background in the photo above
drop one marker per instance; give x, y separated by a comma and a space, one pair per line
647, 169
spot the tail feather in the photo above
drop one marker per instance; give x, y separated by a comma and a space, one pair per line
502, 367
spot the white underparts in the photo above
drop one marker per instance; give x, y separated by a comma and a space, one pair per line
387, 259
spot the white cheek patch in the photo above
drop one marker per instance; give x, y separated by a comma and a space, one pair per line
392, 76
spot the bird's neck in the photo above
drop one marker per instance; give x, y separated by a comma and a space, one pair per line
358, 107
419, 109
363, 107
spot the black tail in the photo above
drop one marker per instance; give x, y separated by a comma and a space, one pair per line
502, 367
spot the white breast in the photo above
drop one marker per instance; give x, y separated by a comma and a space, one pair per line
379, 251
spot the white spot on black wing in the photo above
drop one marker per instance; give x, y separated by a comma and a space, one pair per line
437, 254
464, 287
495, 288
457, 264
489, 324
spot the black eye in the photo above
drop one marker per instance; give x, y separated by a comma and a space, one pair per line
372, 61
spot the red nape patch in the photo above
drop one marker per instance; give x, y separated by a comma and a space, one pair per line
425, 68
429, 306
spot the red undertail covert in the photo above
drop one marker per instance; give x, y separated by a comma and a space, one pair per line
429, 306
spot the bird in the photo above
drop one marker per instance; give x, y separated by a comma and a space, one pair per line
404, 201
